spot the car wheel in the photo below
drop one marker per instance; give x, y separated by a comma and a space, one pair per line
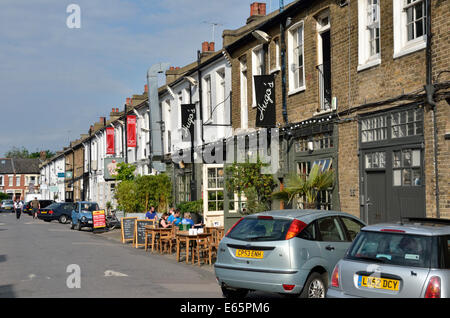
63, 219
315, 287
234, 293
71, 225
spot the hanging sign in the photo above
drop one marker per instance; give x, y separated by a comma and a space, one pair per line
110, 148
265, 100
131, 131
188, 116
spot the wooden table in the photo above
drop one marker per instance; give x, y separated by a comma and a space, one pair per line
183, 236
153, 231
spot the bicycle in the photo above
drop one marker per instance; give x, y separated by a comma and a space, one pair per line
112, 222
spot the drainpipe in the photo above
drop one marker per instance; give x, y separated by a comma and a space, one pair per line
429, 88
283, 66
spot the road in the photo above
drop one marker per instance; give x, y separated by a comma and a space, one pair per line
35, 257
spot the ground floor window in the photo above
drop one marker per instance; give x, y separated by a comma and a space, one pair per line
184, 187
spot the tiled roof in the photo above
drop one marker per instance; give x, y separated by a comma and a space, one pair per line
19, 166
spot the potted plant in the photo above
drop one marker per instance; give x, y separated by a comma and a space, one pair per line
307, 186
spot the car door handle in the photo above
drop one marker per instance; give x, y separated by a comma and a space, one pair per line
329, 248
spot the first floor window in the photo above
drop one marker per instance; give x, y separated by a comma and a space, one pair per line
406, 168
415, 18
296, 63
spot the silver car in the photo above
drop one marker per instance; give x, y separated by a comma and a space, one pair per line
7, 205
291, 252
408, 260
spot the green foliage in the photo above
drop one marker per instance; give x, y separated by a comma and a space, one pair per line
3, 196
191, 206
23, 153
125, 171
139, 193
127, 196
246, 178
307, 186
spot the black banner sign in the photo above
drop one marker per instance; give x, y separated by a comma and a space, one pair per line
265, 100
188, 117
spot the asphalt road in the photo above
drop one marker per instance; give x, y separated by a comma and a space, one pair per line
35, 257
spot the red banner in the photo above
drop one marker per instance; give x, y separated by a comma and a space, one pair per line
131, 131
110, 148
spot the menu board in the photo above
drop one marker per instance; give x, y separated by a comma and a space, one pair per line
139, 239
99, 219
128, 227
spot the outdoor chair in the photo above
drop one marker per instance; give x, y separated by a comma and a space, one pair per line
202, 251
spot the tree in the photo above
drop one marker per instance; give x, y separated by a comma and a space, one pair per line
307, 186
23, 153
246, 178
125, 171
127, 196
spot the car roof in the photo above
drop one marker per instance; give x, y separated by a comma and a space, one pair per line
412, 227
307, 215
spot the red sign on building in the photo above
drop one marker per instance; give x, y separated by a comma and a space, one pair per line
110, 148
131, 131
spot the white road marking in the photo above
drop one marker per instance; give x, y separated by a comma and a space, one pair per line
110, 273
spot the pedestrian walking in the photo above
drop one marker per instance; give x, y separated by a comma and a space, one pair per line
18, 205
35, 205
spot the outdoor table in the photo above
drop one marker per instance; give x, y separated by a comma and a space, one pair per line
153, 231
183, 236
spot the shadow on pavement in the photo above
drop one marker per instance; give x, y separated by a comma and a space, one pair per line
7, 291
2, 258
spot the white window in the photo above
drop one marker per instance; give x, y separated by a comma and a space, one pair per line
214, 188
10, 180
17, 181
1, 181
368, 34
409, 26
208, 98
244, 98
258, 67
296, 58
220, 92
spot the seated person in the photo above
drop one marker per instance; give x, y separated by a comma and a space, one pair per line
163, 221
188, 220
175, 218
152, 215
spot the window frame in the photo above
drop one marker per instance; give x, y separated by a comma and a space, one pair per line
365, 58
292, 33
258, 55
403, 46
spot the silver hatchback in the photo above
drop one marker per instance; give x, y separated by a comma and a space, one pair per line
289, 252
408, 260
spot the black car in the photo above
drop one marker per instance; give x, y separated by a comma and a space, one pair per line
43, 203
57, 211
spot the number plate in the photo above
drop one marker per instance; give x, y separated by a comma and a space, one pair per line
43, 212
249, 254
378, 283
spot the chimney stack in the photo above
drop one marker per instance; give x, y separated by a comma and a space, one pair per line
257, 10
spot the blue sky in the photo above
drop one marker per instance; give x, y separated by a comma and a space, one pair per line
55, 81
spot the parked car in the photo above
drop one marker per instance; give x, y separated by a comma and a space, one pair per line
57, 211
410, 259
43, 203
82, 214
292, 252
7, 206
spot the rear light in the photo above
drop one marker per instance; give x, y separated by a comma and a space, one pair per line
287, 287
264, 217
433, 288
51, 212
392, 230
335, 277
233, 226
296, 227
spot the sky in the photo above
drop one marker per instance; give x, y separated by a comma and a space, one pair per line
56, 81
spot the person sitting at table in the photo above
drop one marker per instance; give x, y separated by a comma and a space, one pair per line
163, 221
187, 220
175, 218
152, 215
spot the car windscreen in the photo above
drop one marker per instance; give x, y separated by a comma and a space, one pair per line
392, 248
89, 207
257, 229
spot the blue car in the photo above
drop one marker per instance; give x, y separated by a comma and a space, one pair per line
82, 215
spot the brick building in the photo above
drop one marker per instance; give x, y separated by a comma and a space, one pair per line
19, 177
350, 96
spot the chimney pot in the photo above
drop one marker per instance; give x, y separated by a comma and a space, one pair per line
257, 8
205, 47
212, 47
128, 101
172, 68
117, 110
146, 88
